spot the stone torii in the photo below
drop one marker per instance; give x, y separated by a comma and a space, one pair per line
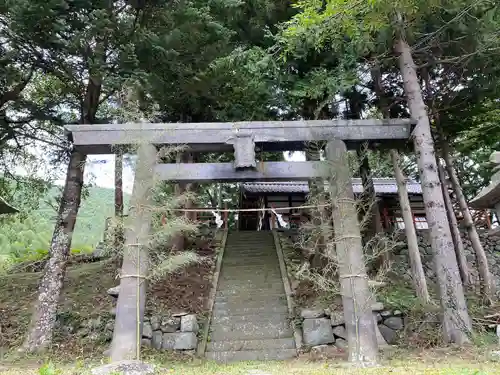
242, 138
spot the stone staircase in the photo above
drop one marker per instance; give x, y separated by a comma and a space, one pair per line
250, 313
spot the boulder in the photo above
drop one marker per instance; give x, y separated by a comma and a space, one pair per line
312, 313
386, 313
189, 323
147, 330
179, 341
170, 325
337, 318
394, 322
340, 332
317, 331
114, 292
155, 322
146, 343
157, 339
130, 367
388, 334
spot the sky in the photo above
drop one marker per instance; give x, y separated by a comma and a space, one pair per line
100, 170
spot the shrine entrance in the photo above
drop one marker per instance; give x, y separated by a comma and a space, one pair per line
242, 138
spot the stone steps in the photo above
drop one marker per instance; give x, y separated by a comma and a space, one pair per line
233, 291
245, 310
219, 333
250, 314
263, 344
271, 317
252, 355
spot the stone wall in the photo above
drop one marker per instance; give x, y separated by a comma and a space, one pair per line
326, 327
178, 331
491, 245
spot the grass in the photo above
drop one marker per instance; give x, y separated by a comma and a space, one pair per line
83, 297
456, 366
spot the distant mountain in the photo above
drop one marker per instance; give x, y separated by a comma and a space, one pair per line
94, 209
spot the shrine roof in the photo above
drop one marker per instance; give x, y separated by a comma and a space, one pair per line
382, 186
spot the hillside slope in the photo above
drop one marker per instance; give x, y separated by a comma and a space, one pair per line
95, 208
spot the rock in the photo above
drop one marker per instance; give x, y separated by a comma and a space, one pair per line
389, 335
321, 352
317, 331
340, 331
157, 340
170, 325
179, 341
312, 313
114, 292
147, 330
337, 318
377, 306
189, 323
398, 313
107, 353
155, 322
146, 342
179, 314
386, 313
378, 318
342, 344
394, 322
112, 312
125, 368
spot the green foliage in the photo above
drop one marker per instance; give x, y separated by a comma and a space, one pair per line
49, 369
27, 236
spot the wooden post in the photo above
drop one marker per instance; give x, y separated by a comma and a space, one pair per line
488, 221
132, 298
356, 297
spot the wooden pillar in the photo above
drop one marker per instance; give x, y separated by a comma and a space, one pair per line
356, 296
132, 297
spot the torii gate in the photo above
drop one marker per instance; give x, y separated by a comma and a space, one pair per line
242, 138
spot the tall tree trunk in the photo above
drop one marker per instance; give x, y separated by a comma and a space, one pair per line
356, 296
44, 315
455, 231
456, 320
119, 184
417, 269
133, 277
118, 232
487, 283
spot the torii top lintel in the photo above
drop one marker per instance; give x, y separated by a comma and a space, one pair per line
272, 135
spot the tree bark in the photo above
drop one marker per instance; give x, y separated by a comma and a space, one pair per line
455, 231
356, 297
119, 184
417, 269
487, 283
369, 198
132, 297
44, 315
456, 320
